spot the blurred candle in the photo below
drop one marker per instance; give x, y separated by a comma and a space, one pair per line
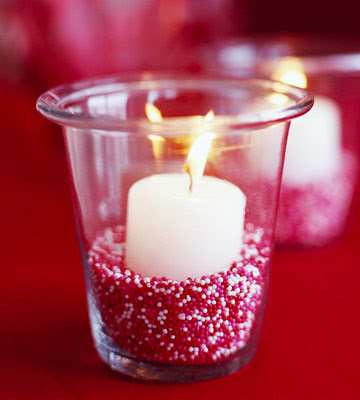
314, 143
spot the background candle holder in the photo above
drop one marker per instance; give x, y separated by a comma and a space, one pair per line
176, 262
321, 164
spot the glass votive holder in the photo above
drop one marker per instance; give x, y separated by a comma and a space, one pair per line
175, 195
321, 166
321, 163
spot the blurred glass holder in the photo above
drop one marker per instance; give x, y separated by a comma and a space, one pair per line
175, 184
322, 157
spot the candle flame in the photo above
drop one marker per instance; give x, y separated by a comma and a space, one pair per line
196, 159
153, 113
209, 116
278, 99
157, 143
290, 70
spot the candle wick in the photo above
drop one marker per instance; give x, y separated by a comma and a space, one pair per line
187, 170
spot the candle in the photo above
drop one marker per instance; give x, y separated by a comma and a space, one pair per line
184, 225
314, 144
176, 234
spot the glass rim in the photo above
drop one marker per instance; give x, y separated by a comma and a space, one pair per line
342, 63
52, 103
344, 58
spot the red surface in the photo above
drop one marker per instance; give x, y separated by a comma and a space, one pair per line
310, 343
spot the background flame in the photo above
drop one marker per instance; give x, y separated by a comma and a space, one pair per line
290, 70
157, 143
209, 116
153, 113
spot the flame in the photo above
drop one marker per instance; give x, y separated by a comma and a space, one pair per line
196, 159
278, 99
153, 113
199, 119
157, 143
209, 116
290, 70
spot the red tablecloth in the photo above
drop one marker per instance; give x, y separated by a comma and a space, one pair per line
309, 348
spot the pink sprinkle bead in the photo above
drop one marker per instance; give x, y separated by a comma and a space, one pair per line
195, 321
315, 213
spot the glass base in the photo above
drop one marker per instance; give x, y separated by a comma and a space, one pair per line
168, 373
123, 360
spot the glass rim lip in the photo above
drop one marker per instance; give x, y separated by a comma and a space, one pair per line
338, 61
51, 104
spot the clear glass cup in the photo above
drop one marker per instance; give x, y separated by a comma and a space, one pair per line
322, 160
175, 182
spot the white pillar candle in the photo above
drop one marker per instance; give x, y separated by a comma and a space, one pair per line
313, 150
177, 234
314, 144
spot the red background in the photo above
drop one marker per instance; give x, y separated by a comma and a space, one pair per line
309, 348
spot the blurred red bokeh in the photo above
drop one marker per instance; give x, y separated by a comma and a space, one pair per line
310, 343
57, 41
